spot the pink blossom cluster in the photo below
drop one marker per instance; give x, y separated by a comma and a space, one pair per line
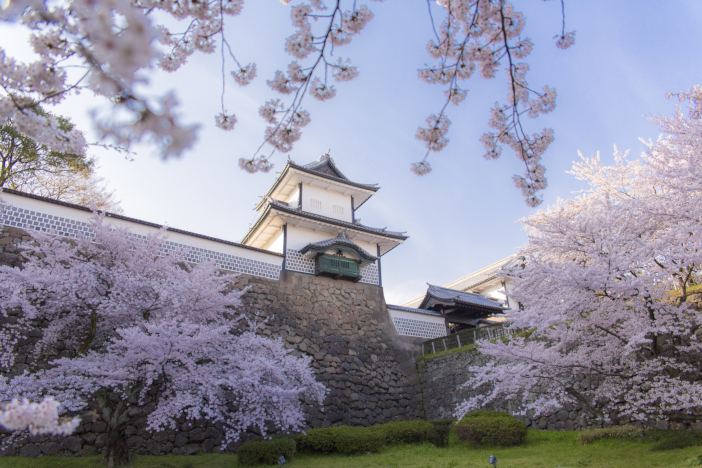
435, 135
37, 418
480, 34
146, 327
105, 46
315, 45
605, 289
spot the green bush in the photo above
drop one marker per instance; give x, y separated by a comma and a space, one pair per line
677, 439
342, 439
322, 440
439, 435
614, 432
360, 440
406, 432
491, 428
266, 452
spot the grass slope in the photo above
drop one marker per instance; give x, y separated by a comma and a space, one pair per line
542, 450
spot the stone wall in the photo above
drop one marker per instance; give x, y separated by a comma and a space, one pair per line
368, 368
442, 379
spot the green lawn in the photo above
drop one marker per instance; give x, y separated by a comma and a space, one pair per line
542, 450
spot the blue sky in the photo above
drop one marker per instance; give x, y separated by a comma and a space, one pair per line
461, 217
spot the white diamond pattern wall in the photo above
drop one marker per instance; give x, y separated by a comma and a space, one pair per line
419, 328
37, 221
369, 274
296, 262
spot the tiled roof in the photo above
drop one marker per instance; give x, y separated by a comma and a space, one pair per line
137, 221
325, 164
325, 167
321, 168
445, 294
341, 239
355, 226
416, 311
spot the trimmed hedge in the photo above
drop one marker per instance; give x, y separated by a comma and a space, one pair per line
491, 428
360, 440
351, 440
440, 433
266, 452
614, 432
406, 432
341, 439
677, 439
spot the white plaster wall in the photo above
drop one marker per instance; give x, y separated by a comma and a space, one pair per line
300, 237
329, 198
40, 206
293, 198
277, 244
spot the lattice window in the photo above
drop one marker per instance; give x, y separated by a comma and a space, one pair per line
419, 328
315, 204
338, 209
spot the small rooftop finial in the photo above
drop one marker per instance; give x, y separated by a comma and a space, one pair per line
325, 155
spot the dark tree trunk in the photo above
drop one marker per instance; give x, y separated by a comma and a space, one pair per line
117, 453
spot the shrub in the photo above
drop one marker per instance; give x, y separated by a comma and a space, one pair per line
676, 439
266, 451
406, 432
342, 439
322, 440
360, 440
439, 435
614, 432
491, 428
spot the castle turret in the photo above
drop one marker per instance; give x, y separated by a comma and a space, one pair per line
309, 215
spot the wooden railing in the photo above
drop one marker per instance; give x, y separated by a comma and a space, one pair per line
466, 337
337, 266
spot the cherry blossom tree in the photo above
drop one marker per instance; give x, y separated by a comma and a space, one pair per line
36, 418
606, 289
107, 47
144, 328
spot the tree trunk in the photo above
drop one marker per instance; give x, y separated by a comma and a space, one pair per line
117, 453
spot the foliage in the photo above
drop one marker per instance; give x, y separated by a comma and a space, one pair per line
464, 348
342, 439
614, 432
145, 328
114, 42
348, 440
320, 440
596, 289
441, 431
266, 452
406, 432
677, 439
491, 428
360, 440
663, 439
23, 159
33, 167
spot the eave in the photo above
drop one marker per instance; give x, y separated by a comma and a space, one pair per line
293, 174
275, 215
